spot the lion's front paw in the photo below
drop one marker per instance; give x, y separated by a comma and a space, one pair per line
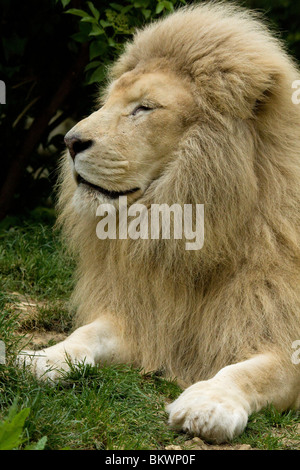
209, 411
51, 363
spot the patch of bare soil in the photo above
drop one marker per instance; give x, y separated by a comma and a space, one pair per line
29, 312
197, 444
41, 339
289, 436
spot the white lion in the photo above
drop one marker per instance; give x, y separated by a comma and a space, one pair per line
198, 110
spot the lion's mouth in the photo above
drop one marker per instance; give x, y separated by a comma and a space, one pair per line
106, 192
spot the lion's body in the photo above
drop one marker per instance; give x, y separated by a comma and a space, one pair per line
220, 130
191, 313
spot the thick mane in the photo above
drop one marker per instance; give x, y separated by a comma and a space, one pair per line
191, 313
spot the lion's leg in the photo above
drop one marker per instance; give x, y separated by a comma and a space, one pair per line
92, 343
218, 409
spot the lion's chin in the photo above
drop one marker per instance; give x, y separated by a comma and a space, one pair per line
86, 200
110, 194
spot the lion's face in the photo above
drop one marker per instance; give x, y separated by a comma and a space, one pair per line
124, 146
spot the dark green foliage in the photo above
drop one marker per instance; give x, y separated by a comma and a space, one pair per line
284, 18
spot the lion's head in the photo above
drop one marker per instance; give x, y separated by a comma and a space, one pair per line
125, 145
189, 108
198, 109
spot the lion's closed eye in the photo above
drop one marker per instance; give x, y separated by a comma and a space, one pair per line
141, 109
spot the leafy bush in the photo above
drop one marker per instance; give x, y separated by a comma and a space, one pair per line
107, 27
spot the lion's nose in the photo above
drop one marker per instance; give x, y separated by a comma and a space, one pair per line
76, 145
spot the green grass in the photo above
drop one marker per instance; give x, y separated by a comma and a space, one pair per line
33, 262
112, 407
108, 408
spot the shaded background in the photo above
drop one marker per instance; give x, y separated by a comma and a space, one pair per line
53, 58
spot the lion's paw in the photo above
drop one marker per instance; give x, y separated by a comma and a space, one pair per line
50, 364
210, 412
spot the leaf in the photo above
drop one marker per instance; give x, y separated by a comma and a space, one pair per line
77, 12
79, 37
126, 9
116, 6
89, 19
111, 42
169, 6
65, 2
12, 428
94, 10
141, 4
97, 76
159, 8
164, 5
146, 13
40, 445
105, 24
92, 65
96, 49
96, 30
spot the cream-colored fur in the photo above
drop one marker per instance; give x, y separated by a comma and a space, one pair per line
222, 131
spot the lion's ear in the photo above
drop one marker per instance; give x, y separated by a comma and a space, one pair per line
245, 94
266, 96
262, 92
